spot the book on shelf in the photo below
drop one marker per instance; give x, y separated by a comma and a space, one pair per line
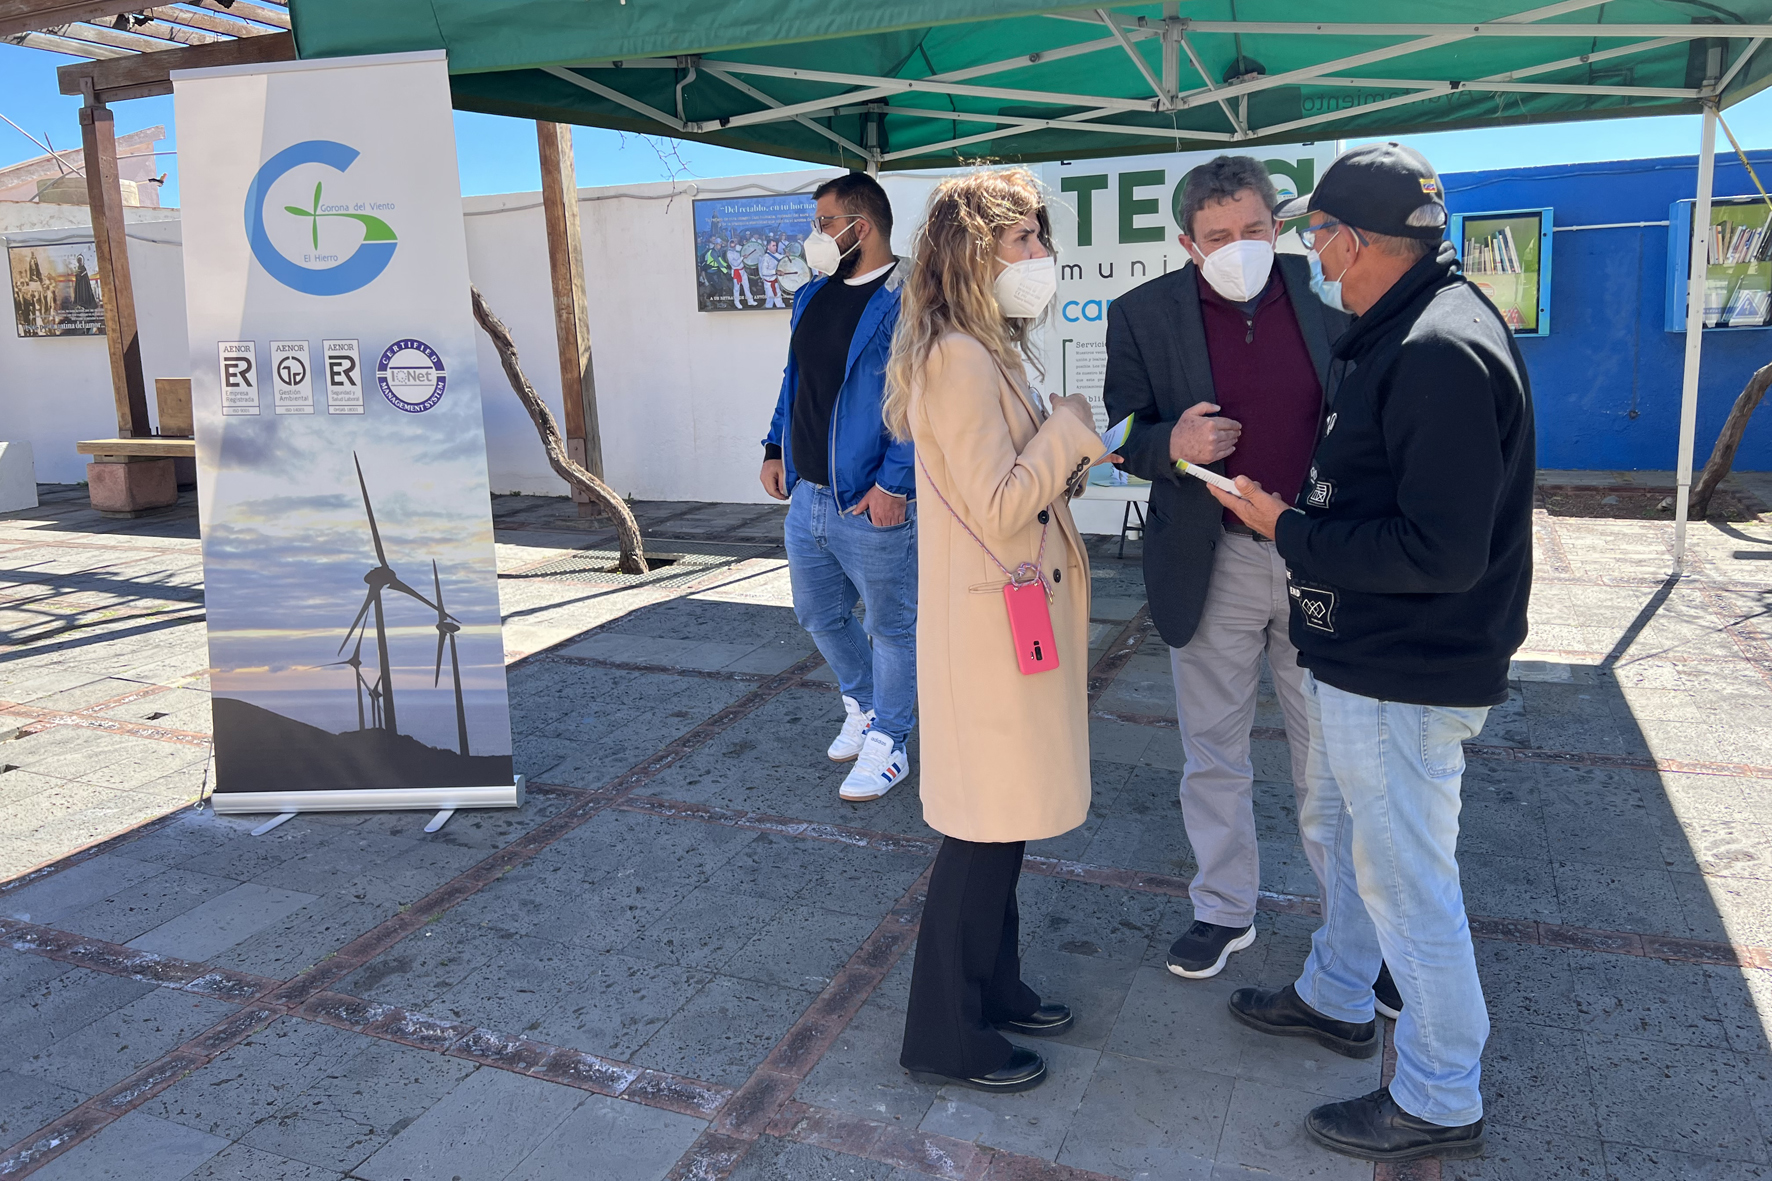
1733, 243
1494, 254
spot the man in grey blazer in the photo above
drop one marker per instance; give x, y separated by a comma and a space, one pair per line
1224, 364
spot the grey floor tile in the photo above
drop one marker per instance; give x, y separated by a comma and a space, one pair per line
304, 938
620, 1003
1143, 1118
426, 964
1686, 1098
1536, 1076
221, 922
772, 1159
1646, 998
479, 1129
237, 1162
525, 978
256, 1079
1034, 1122
345, 1116
1264, 1130
115, 1045
724, 1030
52, 1010
705, 929
1625, 1162
128, 912
1186, 1022
137, 1147
1087, 920
860, 1073
1743, 997
1525, 1154
1618, 898
801, 947
74, 889
1528, 984
27, 1103
608, 1140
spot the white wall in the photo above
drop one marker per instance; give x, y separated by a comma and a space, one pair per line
57, 390
684, 397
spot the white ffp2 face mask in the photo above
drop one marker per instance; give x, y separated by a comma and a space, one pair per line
822, 252
1025, 288
1239, 270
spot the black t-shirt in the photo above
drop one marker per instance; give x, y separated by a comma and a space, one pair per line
821, 352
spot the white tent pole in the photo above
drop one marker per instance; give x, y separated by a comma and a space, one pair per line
1700, 260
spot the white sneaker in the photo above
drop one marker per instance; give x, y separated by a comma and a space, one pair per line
855, 724
881, 764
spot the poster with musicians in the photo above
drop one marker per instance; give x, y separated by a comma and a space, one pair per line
356, 649
748, 252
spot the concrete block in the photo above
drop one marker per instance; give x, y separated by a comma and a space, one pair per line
130, 486
18, 477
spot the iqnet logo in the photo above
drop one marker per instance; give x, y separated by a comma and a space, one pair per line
335, 275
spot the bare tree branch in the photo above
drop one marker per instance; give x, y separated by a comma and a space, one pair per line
633, 556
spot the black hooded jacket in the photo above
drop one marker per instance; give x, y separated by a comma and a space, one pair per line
1411, 555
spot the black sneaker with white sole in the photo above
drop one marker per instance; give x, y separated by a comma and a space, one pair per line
1385, 997
1203, 951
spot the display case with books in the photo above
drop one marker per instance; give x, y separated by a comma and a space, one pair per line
1738, 258
1508, 256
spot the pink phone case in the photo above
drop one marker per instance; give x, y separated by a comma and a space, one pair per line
1030, 627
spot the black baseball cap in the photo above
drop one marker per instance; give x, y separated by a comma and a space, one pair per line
1384, 188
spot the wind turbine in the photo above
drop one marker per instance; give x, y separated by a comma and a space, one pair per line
381, 577
446, 629
355, 660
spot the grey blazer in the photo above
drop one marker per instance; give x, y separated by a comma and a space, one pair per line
1156, 368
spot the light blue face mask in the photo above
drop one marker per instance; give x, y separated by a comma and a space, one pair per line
1327, 290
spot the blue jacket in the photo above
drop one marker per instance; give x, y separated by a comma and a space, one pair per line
862, 453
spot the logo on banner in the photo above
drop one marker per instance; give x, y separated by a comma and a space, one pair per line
411, 375
320, 271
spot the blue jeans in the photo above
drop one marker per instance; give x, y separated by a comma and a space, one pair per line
835, 559
1383, 805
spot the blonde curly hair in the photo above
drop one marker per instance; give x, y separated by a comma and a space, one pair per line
951, 278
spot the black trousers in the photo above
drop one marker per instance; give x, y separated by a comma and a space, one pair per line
968, 968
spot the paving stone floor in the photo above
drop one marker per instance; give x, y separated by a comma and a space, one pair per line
686, 957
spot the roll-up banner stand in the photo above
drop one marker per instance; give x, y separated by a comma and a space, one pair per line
350, 585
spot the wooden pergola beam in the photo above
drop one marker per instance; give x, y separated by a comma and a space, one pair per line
143, 74
98, 132
31, 16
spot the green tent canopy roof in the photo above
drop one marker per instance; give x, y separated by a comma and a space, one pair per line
922, 83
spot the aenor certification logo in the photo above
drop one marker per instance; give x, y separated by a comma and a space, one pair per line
239, 376
344, 376
411, 375
291, 377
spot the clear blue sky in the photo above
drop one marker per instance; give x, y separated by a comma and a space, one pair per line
498, 155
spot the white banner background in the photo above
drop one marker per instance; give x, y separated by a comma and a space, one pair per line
344, 333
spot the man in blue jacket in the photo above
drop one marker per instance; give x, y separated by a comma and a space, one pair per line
852, 529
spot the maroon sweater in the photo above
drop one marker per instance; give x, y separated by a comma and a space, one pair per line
1263, 377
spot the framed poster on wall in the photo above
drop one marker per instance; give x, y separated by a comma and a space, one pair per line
1508, 256
1738, 271
748, 251
55, 289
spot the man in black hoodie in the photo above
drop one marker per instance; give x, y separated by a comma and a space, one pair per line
1410, 555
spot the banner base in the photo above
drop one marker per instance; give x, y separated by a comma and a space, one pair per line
232, 803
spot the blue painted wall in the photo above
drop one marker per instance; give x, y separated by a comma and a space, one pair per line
1606, 381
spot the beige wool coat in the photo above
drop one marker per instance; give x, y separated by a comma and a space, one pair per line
1005, 756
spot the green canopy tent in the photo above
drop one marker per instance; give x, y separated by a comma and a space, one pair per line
920, 83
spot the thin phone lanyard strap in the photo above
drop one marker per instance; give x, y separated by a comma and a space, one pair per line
1039, 561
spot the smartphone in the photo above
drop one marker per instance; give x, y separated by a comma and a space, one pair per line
1030, 627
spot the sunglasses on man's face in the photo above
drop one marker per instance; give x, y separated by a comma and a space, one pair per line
1316, 237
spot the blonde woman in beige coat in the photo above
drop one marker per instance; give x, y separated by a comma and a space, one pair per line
1005, 754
